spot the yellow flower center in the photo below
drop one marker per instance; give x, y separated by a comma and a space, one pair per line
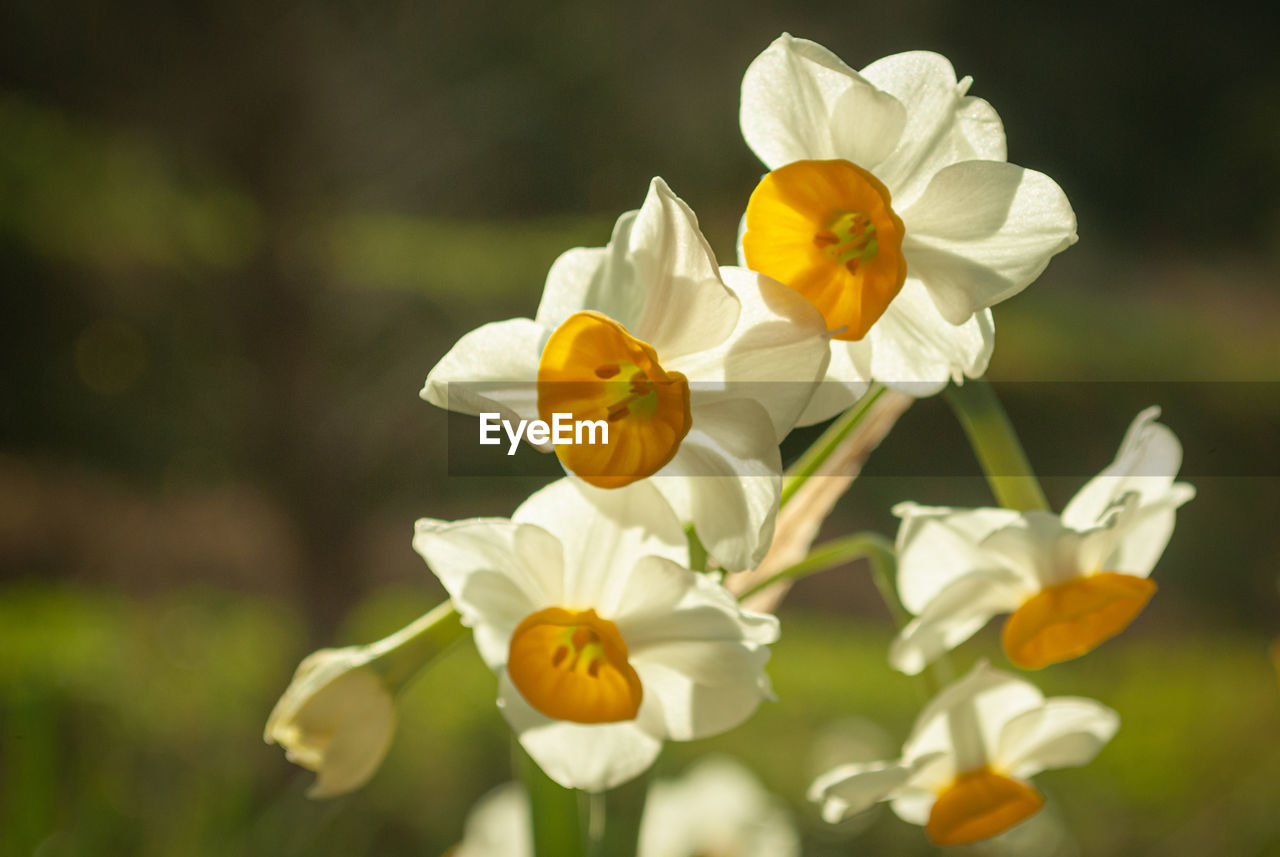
592, 368
978, 805
1068, 620
572, 665
826, 229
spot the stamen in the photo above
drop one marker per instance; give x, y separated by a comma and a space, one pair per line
851, 239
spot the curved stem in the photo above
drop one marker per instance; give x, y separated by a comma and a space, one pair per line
996, 445
881, 556
402, 655
821, 450
873, 547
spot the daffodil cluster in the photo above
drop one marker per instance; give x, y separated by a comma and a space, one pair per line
609, 604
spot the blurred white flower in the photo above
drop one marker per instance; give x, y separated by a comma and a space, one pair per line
891, 207
699, 371
498, 825
964, 769
337, 718
1070, 581
604, 642
716, 807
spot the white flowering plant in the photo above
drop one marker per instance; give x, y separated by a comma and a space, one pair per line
630, 603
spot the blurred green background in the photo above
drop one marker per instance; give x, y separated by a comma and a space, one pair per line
235, 236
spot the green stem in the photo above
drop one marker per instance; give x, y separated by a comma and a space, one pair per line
558, 830
881, 556
873, 547
402, 655
697, 551
623, 809
996, 445
821, 450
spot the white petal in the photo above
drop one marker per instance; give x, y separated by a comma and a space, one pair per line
800, 102
700, 657
1147, 463
575, 280
337, 718
965, 720
690, 710
499, 825
362, 720
658, 278
492, 368
982, 231
848, 378
775, 356
1040, 547
496, 571
716, 807
593, 757
604, 533
915, 350
943, 124
938, 545
1065, 732
664, 603
851, 789
727, 478
1141, 534
955, 615
913, 805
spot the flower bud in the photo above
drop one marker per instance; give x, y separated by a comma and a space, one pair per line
338, 714
336, 718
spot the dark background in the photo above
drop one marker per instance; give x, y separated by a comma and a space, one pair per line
235, 236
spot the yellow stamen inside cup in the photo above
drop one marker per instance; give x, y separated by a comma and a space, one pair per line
572, 665
1068, 620
978, 805
592, 368
827, 230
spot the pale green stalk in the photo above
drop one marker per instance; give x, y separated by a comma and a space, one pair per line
399, 657
882, 559
873, 547
996, 445
827, 442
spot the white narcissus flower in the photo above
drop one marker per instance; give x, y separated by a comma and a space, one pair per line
716, 807
604, 642
699, 371
499, 825
337, 718
964, 769
1070, 581
891, 207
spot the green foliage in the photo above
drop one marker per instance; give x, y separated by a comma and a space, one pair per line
135, 727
